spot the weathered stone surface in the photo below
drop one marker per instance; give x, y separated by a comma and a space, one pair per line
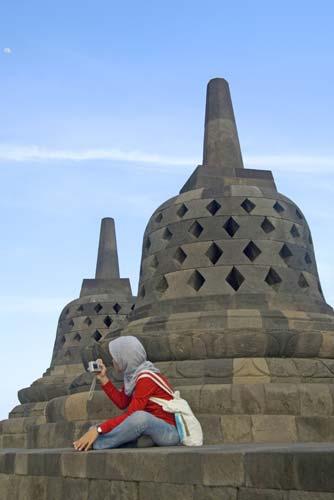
166, 491
270, 470
261, 494
223, 470
237, 428
274, 428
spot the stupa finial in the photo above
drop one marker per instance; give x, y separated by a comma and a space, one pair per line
107, 266
221, 142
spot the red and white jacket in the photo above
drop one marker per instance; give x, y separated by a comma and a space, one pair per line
139, 400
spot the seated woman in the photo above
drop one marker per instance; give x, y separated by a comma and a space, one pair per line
143, 417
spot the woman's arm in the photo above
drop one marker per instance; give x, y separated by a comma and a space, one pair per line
143, 391
120, 399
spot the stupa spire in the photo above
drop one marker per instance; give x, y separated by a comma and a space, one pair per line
221, 142
107, 266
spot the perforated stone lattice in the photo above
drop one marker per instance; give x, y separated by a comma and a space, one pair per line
181, 212
98, 308
252, 251
97, 336
180, 255
248, 205
196, 280
88, 321
117, 308
285, 252
77, 337
214, 252
231, 226
167, 234
213, 207
108, 321
278, 208
162, 285
235, 278
302, 281
196, 229
267, 226
294, 231
273, 278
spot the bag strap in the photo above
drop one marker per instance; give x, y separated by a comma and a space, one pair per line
158, 380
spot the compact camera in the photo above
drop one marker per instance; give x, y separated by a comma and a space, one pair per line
93, 367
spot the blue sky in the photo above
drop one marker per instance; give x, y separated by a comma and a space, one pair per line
102, 110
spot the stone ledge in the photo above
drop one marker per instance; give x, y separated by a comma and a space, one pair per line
284, 467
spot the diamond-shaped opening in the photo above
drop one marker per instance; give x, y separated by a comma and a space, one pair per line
71, 323
162, 285
158, 218
267, 226
294, 231
147, 243
167, 234
142, 292
154, 262
67, 355
80, 308
273, 279
310, 239
213, 207
252, 251
180, 255
77, 337
278, 207
181, 211
107, 321
133, 307
196, 229
63, 340
66, 312
231, 226
302, 281
88, 321
117, 307
98, 308
248, 205
97, 335
235, 279
307, 258
196, 280
214, 252
299, 214
285, 252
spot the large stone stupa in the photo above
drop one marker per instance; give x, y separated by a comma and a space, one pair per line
230, 308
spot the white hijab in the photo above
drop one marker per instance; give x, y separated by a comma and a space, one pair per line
131, 358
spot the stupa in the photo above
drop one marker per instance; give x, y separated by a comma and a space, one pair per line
230, 308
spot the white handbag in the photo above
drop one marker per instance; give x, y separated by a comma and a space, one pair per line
189, 428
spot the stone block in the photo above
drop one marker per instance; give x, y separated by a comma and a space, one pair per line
14, 441
6, 489
236, 428
222, 469
327, 346
165, 491
281, 399
123, 490
310, 495
214, 493
76, 489
318, 429
216, 398
211, 426
100, 489
238, 319
74, 464
260, 494
314, 471
21, 463
30, 487
7, 463
248, 399
76, 407
44, 464
184, 468
269, 470
274, 428
252, 370
315, 400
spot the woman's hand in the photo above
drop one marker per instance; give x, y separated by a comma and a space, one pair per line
102, 375
86, 441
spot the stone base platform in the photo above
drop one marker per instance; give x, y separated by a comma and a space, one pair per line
225, 472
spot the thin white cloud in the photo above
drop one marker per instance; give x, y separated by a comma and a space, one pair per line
7, 50
297, 163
